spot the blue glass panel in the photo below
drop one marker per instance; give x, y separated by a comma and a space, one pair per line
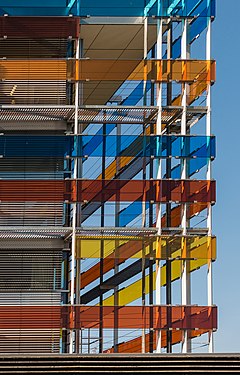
200, 147
34, 8
92, 145
151, 8
205, 8
157, 146
201, 8
108, 8
34, 4
116, 8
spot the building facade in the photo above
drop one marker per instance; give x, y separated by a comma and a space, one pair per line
106, 186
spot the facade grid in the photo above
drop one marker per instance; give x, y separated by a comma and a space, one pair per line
106, 187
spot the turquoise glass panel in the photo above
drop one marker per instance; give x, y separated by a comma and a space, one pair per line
108, 8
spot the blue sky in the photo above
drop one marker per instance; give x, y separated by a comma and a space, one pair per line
226, 126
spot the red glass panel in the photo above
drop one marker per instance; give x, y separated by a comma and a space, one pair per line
139, 190
107, 190
128, 317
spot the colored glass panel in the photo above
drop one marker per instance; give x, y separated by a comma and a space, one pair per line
109, 70
120, 8
168, 247
157, 70
129, 317
139, 190
103, 190
157, 146
206, 243
188, 8
129, 145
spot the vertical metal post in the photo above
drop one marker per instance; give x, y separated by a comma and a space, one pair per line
151, 262
186, 293
78, 207
145, 51
159, 176
168, 205
116, 260
102, 242
74, 211
89, 341
209, 176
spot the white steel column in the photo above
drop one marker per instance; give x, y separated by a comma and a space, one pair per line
145, 52
209, 176
74, 212
186, 344
159, 176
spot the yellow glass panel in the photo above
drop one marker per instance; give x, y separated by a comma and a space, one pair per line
195, 247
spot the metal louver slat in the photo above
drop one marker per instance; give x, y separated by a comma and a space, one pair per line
29, 341
30, 269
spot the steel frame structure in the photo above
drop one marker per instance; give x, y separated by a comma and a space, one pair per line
106, 189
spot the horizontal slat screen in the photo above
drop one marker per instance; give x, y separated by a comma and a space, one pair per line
30, 341
39, 27
28, 270
30, 214
34, 92
23, 48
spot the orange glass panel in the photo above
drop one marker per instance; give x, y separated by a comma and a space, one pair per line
108, 70
186, 70
138, 70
